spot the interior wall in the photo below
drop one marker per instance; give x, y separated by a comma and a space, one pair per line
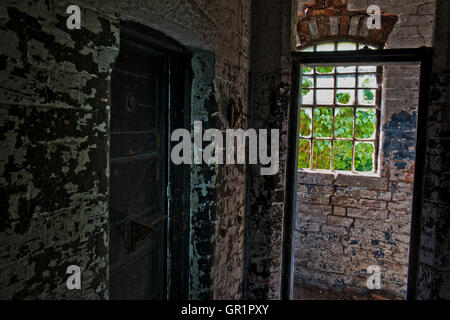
434, 268
54, 105
415, 27
345, 224
416, 20
54, 139
54, 159
271, 44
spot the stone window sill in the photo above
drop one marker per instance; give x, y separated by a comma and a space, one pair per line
364, 180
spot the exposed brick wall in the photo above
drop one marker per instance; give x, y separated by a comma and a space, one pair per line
350, 223
319, 21
346, 224
414, 27
54, 137
55, 141
342, 229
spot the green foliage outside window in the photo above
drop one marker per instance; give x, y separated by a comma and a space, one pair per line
364, 157
325, 70
322, 154
304, 154
305, 124
340, 126
343, 155
306, 83
343, 123
343, 98
342, 149
323, 118
365, 123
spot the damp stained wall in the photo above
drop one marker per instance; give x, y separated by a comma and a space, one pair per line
54, 106
54, 140
272, 42
346, 224
434, 267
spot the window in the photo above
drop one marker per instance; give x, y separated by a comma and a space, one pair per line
339, 114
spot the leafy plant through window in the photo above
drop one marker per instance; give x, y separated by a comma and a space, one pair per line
339, 114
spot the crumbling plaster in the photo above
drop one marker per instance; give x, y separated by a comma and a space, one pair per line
55, 109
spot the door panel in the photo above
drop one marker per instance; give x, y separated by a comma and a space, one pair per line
138, 180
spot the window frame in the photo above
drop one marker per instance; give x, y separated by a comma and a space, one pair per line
423, 56
375, 139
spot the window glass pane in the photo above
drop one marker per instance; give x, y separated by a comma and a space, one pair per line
367, 69
322, 155
365, 123
343, 152
346, 69
307, 96
307, 70
304, 154
346, 81
345, 97
324, 97
307, 82
325, 81
307, 49
305, 122
329, 46
343, 123
367, 81
323, 118
346, 46
364, 157
338, 104
325, 70
367, 97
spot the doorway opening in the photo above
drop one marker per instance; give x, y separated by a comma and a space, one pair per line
355, 233
149, 232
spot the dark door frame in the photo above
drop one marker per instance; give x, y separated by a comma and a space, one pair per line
179, 82
421, 55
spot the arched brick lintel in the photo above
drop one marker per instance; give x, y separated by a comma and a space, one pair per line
318, 23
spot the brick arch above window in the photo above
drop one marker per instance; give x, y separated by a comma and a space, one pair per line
324, 20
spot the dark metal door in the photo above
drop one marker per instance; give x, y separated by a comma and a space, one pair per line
138, 211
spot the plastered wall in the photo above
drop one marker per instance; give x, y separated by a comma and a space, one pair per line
54, 106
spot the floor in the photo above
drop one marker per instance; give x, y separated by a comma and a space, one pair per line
321, 294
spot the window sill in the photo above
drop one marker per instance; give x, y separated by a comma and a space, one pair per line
339, 173
364, 180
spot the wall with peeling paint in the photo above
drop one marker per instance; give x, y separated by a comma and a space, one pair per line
54, 106
271, 45
54, 137
346, 224
434, 268
54, 160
